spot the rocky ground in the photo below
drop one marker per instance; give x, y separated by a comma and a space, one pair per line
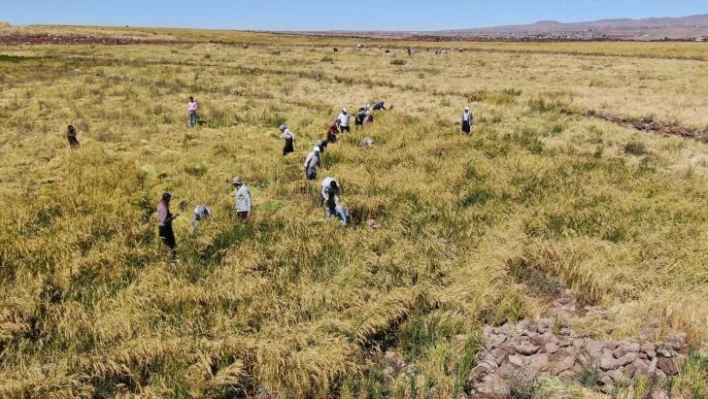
648, 124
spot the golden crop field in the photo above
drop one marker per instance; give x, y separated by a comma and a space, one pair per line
285, 305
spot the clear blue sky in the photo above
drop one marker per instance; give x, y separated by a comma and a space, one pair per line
329, 15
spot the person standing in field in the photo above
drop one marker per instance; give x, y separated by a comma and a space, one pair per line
201, 212
192, 108
71, 136
243, 198
165, 217
311, 163
343, 121
289, 138
467, 120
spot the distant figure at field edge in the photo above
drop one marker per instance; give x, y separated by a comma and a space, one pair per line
289, 138
71, 136
165, 218
467, 120
343, 121
311, 163
192, 108
201, 212
243, 198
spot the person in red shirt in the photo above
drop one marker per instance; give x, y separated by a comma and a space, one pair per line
332, 132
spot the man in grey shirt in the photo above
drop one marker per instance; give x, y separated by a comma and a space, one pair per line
243, 198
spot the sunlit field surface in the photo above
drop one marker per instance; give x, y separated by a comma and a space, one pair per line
289, 306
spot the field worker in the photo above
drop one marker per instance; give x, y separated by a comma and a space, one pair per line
368, 117
165, 218
379, 106
192, 109
311, 163
332, 131
289, 137
366, 142
467, 120
360, 117
243, 198
334, 208
322, 145
329, 184
71, 136
343, 120
201, 212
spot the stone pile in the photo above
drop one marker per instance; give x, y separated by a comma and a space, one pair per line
549, 348
648, 124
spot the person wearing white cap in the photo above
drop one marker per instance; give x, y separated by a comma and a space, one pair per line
343, 121
311, 163
201, 212
467, 120
289, 137
243, 198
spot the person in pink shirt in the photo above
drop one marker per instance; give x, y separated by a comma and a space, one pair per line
192, 108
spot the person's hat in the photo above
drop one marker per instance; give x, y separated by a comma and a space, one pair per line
236, 181
467, 108
283, 127
344, 110
316, 149
166, 196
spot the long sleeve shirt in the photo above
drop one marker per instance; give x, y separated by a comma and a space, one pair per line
192, 106
243, 199
343, 119
467, 117
287, 134
164, 215
312, 160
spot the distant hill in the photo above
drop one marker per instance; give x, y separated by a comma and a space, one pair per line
623, 28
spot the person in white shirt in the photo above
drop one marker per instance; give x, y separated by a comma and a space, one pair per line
343, 121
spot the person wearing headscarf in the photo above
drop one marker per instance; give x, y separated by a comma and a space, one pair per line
289, 138
311, 163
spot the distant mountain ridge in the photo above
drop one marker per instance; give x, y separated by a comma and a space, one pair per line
693, 21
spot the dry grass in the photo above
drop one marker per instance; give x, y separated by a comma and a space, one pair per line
286, 304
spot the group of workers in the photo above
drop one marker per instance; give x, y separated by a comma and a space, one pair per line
330, 187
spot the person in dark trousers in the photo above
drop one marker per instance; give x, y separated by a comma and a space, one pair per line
289, 138
343, 121
192, 109
332, 131
71, 136
243, 198
165, 218
379, 106
467, 120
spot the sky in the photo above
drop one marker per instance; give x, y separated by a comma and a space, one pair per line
298, 15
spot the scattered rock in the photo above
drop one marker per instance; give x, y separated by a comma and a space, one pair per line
667, 366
